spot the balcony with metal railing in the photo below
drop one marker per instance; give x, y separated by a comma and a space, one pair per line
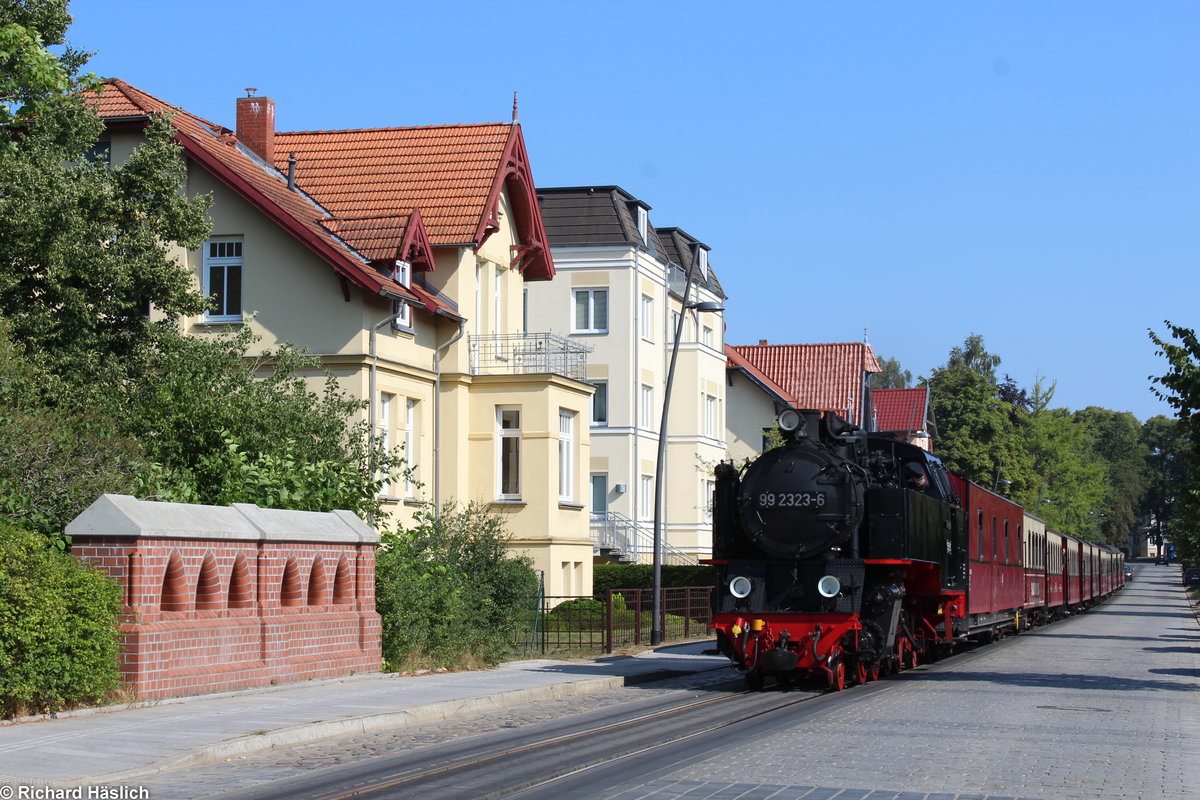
528, 354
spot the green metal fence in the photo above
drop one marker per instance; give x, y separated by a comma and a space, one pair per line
620, 618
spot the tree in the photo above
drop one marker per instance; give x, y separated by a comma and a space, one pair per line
1069, 488
1117, 438
977, 435
220, 426
892, 376
1180, 387
1168, 463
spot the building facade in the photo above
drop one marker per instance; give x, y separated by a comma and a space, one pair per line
400, 256
620, 291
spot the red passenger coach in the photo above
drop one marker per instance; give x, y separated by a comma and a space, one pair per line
997, 575
1037, 577
1056, 571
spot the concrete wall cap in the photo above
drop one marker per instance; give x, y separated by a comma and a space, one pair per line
122, 515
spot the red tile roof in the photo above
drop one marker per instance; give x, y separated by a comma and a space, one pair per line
448, 172
735, 360
369, 195
900, 409
827, 377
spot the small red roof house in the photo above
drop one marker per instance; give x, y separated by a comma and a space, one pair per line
400, 255
765, 378
903, 413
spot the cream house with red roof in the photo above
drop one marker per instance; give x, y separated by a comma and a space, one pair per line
765, 378
400, 256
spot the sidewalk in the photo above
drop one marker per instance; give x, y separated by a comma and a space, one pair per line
119, 743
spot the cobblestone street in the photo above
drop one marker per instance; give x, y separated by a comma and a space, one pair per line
1104, 705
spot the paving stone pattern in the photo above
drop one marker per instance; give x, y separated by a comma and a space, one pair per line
239, 773
1103, 706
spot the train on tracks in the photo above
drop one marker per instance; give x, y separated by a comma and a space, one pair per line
844, 555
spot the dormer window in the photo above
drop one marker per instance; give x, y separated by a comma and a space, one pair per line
702, 262
402, 274
643, 223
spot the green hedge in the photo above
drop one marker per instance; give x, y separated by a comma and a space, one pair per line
449, 592
58, 626
641, 576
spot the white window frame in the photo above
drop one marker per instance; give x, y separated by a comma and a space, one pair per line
402, 274
503, 437
566, 455
707, 485
384, 424
592, 325
224, 263
646, 497
643, 224
647, 406
600, 398
410, 447
647, 318
497, 303
707, 336
710, 416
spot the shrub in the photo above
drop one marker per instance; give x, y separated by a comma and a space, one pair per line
641, 576
449, 592
58, 626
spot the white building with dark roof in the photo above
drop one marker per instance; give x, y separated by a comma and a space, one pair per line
619, 290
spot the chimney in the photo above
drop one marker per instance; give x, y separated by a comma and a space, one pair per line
761, 342
256, 124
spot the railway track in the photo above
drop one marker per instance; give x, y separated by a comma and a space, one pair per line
501, 765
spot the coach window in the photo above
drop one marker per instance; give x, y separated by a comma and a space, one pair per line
981, 534
995, 539
1007, 551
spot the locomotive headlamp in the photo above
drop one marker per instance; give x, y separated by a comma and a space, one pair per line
789, 420
829, 586
740, 587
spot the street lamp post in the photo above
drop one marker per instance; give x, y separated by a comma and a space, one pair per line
656, 631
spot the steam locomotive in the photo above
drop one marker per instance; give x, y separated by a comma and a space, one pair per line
846, 555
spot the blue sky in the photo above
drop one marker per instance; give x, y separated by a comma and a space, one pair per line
1027, 171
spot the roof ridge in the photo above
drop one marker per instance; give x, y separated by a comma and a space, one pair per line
137, 96
397, 128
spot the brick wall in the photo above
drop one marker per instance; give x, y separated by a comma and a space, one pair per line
275, 597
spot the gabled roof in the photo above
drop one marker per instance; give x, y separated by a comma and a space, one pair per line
900, 410
825, 377
453, 174
736, 361
361, 214
217, 150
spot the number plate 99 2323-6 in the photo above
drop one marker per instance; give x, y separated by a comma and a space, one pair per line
791, 500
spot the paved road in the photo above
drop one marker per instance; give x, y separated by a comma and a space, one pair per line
1104, 705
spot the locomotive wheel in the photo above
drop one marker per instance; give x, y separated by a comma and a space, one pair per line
860, 673
754, 681
837, 680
